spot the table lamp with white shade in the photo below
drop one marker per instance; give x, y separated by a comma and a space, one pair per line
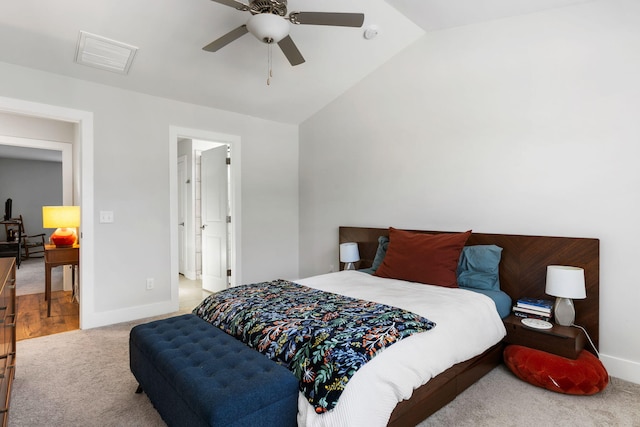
566, 283
349, 254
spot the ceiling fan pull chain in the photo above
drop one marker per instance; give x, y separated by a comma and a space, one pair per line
269, 64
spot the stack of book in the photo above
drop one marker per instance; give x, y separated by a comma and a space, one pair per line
534, 307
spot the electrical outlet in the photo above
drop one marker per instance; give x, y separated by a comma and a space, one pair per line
150, 283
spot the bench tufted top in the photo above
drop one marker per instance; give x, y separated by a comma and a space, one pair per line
218, 376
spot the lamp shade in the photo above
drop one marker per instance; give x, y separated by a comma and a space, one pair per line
268, 28
565, 282
349, 252
64, 219
60, 216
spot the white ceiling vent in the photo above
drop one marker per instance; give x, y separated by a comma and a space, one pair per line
106, 54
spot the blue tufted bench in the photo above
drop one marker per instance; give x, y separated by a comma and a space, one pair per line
197, 375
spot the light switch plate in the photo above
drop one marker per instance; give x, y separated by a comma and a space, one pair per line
106, 217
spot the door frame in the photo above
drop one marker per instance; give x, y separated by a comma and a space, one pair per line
233, 141
82, 188
182, 243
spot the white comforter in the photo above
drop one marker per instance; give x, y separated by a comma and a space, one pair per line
467, 323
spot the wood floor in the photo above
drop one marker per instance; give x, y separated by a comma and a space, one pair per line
32, 315
65, 314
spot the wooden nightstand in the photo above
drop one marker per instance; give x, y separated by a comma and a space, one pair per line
54, 257
564, 341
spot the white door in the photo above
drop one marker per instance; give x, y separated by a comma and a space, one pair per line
182, 208
214, 201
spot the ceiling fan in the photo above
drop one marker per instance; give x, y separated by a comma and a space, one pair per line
268, 24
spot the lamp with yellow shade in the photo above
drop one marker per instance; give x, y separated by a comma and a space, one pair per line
65, 219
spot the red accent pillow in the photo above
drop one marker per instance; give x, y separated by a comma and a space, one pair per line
423, 258
584, 376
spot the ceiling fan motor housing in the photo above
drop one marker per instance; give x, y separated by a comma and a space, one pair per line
275, 7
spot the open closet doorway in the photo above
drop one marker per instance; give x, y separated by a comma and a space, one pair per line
207, 203
203, 209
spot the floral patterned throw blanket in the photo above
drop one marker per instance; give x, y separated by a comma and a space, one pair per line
323, 338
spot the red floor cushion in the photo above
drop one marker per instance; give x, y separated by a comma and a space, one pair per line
584, 376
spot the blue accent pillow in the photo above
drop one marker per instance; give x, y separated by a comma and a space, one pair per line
383, 244
501, 300
478, 267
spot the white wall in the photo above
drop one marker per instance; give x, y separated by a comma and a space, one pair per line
36, 128
30, 184
131, 178
526, 125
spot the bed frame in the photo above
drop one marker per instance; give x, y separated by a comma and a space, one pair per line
522, 273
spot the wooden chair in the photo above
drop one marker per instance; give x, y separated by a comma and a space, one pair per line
12, 246
30, 244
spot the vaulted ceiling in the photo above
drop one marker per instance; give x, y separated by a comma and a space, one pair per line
170, 35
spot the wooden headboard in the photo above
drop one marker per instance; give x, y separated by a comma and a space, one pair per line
523, 266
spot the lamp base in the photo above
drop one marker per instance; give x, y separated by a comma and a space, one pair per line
564, 311
63, 237
349, 266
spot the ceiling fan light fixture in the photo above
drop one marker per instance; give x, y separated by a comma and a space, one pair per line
268, 28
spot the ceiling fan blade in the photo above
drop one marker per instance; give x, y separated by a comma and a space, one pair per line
327, 18
215, 45
291, 51
233, 3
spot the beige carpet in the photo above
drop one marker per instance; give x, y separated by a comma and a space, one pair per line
500, 399
78, 378
30, 277
82, 378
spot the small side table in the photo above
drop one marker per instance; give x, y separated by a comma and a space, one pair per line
54, 257
561, 340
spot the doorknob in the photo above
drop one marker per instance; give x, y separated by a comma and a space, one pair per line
203, 226
182, 224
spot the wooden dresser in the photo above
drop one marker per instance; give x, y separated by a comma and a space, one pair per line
7, 333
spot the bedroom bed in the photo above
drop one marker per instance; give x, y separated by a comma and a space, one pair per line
522, 272
397, 386
431, 339
466, 324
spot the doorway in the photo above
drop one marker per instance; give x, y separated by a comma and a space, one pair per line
81, 192
39, 172
193, 215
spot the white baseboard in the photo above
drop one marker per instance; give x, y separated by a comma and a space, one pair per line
131, 313
627, 370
